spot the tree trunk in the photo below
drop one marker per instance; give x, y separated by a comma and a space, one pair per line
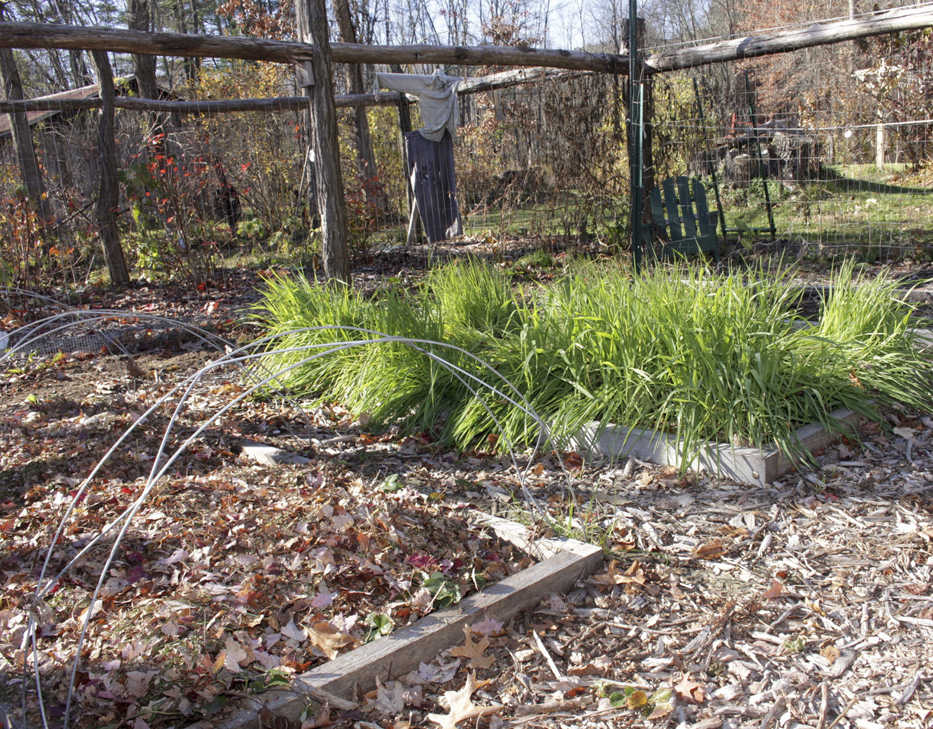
375, 194
139, 18
312, 28
22, 138
108, 198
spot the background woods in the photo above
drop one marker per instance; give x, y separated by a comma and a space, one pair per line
543, 161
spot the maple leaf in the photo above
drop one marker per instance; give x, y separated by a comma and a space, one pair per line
460, 705
473, 651
690, 690
329, 639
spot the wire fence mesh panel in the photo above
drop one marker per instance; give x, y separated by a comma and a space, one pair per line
813, 153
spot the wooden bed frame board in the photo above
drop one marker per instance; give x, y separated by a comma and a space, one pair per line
747, 465
338, 681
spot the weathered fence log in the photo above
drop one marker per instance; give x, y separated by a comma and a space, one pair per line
283, 103
109, 195
38, 35
817, 34
35, 35
312, 26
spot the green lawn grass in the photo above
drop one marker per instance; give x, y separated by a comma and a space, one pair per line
870, 213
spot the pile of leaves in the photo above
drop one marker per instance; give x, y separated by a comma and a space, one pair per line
234, 575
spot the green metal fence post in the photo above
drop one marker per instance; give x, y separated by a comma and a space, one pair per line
761, 162
636, 130
722, 215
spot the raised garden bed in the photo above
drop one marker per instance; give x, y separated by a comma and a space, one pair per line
745, 465
704, 356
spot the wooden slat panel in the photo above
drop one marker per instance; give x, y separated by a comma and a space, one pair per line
673, 210
686, 208
708, 239
657, 212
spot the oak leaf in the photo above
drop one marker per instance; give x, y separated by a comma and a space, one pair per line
473, 651
460, 705
329, 639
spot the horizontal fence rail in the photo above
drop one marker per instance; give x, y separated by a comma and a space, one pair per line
36, 35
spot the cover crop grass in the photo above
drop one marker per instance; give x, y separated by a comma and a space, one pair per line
682, 349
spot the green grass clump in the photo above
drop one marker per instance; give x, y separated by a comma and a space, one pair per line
871, 326
710, 356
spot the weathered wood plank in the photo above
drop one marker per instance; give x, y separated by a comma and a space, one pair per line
673, 210
686, 208
746, 465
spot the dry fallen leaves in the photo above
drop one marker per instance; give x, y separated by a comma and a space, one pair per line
713, 549
690, 690
777, 587
460, 705
328, 638
473, 650
830, 653
634, 575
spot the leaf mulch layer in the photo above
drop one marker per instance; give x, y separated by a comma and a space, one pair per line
807, 603
233, 576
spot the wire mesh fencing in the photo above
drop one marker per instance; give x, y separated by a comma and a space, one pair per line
847, 174
825, 151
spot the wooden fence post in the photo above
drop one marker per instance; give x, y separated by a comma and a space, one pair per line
404, 126
108, 198
372, 185
319, 88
